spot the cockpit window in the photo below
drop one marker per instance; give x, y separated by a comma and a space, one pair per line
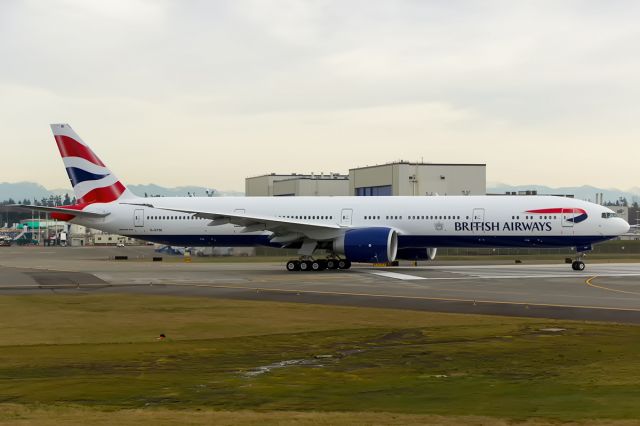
607, 215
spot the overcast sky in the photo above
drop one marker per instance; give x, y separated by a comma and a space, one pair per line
209, 92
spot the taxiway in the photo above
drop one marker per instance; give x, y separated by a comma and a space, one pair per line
603, 292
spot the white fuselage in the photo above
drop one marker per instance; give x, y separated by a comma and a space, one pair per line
454, 221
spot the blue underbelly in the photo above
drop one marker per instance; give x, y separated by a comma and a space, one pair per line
404, 241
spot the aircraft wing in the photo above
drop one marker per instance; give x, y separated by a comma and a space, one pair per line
285, 229
63, 210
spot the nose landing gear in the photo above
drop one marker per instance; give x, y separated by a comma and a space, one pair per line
578, 264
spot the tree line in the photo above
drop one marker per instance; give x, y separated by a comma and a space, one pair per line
10, 216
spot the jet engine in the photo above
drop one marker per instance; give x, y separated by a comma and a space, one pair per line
368, 245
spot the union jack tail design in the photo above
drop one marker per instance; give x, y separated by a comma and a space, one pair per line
92, 181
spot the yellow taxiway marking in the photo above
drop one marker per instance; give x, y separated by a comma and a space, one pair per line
591, 284
393, 296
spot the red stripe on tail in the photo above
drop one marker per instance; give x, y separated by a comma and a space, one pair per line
70, 147
106, 194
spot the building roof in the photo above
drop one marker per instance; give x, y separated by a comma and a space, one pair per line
407, 163
293, 176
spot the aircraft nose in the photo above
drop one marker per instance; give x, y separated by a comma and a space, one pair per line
624, 226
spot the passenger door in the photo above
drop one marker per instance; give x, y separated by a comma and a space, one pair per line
346, 217
567, 218
478, 216
477, 220
138, 217
567, 221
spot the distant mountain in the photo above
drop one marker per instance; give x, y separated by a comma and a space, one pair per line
20, 190
584, 192
179, 191
30, 190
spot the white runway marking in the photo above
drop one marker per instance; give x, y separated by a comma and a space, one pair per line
475, 272
397, 276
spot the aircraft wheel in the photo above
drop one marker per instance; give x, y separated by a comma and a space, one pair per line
293, 265
318, 265
344, 264
305, 265
332, 264
578, 265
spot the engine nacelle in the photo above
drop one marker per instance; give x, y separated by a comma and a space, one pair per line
368, 245
417, 253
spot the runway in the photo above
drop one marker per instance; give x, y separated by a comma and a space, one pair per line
603, 292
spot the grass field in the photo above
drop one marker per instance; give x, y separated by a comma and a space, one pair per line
96, 359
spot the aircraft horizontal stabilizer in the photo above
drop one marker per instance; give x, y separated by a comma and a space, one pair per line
62, 210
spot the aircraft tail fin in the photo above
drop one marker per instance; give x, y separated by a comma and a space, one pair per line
91, 180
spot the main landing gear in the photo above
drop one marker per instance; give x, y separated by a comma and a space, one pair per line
317, 264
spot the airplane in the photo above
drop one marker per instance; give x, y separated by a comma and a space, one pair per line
348, 229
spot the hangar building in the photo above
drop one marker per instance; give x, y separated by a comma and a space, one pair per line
399, 178
278, 185
404, 178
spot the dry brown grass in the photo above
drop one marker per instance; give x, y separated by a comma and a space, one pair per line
12, 414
